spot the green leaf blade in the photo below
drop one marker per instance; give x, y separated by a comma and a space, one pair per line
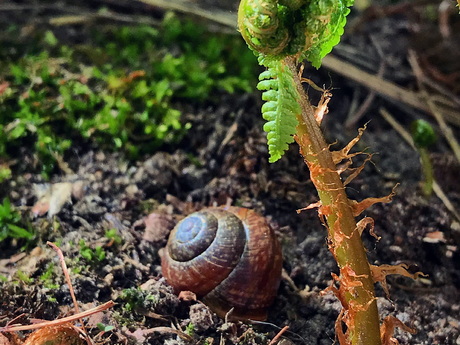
281, 108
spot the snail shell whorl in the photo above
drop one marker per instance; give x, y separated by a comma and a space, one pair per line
239, 266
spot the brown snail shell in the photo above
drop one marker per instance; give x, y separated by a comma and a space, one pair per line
229, 257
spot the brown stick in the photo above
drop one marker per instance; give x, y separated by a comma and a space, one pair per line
78, 316
280, 333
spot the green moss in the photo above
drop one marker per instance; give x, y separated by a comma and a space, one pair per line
23, 277
113, 236
119, 90
91, 255
190, 329
48, 277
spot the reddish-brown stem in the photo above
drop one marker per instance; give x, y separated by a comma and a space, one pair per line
356, 290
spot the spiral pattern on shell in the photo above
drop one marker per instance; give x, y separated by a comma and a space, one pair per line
229, 257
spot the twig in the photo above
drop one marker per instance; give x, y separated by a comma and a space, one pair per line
66, 274
408, 138
90, 16
36, 7
397, 126
60, 321
181, 334
289, 281
384, 87
280, 333
446, 130
444, 13
220, 17
356, 116
14, 319
65, 270
136, 264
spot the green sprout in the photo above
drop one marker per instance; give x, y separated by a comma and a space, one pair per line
91, 255
10, 224
5, 172
190, 329
112, 235
24, 277
133, 298
105, 328
424, 136
47, 277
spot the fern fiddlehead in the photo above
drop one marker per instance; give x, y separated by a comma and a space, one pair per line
262, 28
275, 30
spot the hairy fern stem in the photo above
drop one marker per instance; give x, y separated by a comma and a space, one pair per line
360, 308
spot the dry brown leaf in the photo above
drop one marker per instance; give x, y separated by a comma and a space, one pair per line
3, 87
51, 198
367, 222
10, 339
60, 195
56, 335
157, 227
344, 153
434, 237
4, 340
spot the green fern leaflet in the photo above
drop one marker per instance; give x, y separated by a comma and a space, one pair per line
281, 108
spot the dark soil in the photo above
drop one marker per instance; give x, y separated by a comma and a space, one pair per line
223, 160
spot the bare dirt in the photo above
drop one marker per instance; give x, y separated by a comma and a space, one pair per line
229, 166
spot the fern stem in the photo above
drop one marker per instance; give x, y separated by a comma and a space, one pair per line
356, 290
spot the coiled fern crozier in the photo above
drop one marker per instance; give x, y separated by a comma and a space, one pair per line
282, 34
277, 29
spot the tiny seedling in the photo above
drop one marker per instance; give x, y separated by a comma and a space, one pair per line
105, 328
113, 236
47, 277
5, 171
424, 136
133, 298
24, 277
91, 255
10, 224
190, 329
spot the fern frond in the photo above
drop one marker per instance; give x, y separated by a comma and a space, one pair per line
324, 26
281, 107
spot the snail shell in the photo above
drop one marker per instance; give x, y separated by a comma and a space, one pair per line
229, 257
